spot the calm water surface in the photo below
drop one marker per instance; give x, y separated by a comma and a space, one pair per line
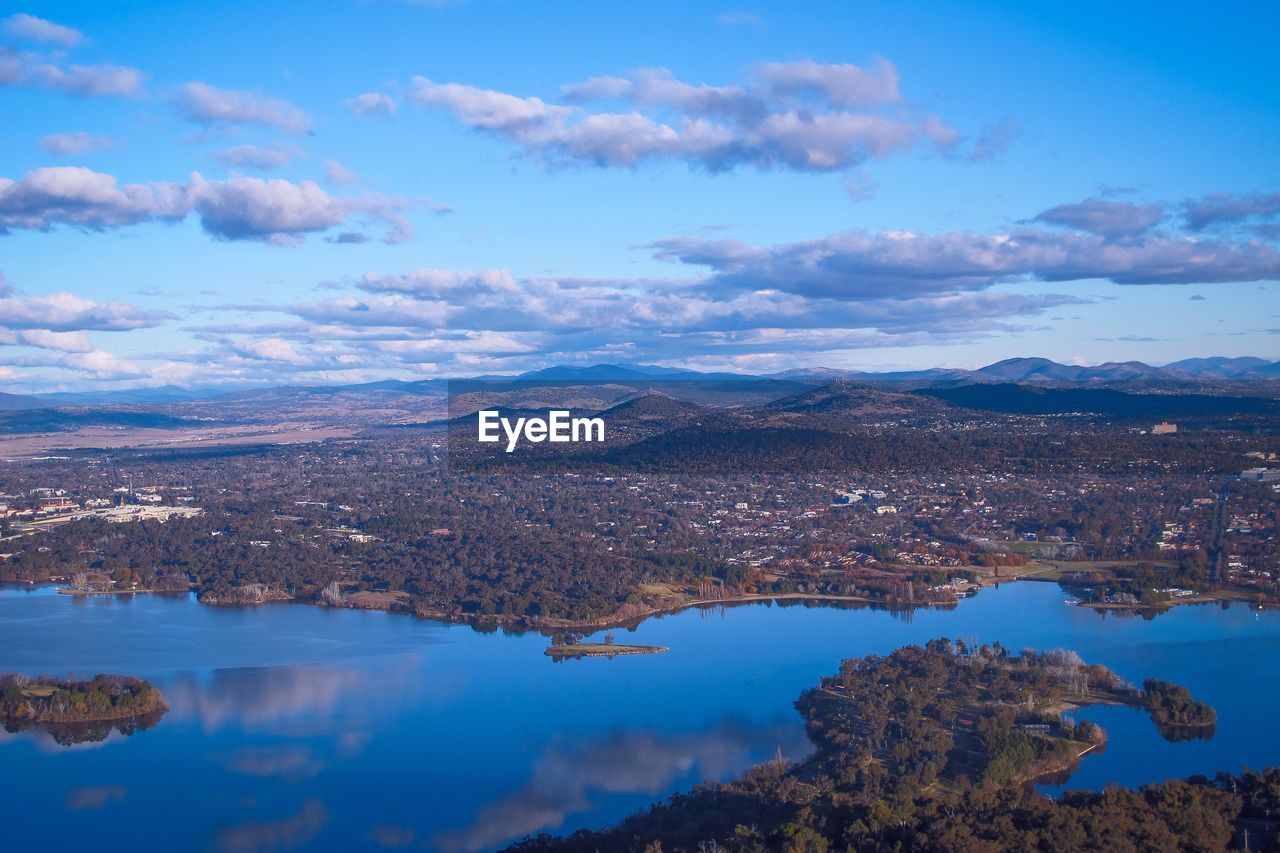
292, 725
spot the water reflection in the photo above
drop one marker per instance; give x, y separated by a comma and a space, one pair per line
286, 833
94, 796
292, 725
264, 698
86, 734
290, 762
571, 772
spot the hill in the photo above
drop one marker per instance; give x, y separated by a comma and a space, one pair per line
1030, 400
847, 401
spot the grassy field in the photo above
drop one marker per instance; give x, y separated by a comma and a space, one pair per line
1053, 570
38, 690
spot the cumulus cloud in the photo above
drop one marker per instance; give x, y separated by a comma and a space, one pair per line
806, 116
202, 103
857, 264
52, 331
442, 284
273, 155
1105, 218
283, 212
268, 349
66, 312
727, 302
843, 84
490, 319
74, 195
43, 339
92, 80
97, 365
30, 28
239, 208
102, 79
736, 300
1219, 209
373, 104
73, 144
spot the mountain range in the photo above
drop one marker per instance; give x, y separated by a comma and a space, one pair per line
1034, 371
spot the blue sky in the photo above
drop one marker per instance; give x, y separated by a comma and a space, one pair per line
237, 193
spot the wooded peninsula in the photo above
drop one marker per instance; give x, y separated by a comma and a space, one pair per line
934, 747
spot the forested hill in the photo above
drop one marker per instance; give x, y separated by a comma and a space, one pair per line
1030, 400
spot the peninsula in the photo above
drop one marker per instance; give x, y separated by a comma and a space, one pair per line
932, 748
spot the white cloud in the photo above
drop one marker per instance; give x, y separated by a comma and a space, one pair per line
1105, 218
843, 84
282, 212
806, 116
373, 104
66, 312
30, 28
858, 264
102, 79
74, 195
269, 349
72, 144
44, 339
93, 80
273, 155
239, 208
204, 104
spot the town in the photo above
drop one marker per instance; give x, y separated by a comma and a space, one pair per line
412, 522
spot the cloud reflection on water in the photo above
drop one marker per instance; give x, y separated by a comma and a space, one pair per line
570, 772
263, 698
286, 833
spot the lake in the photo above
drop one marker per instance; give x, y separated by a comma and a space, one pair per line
292, 725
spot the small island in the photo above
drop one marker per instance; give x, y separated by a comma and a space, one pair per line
568, 645
599, 650
75, 711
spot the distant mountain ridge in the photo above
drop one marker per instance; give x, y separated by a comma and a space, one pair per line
1022, 370
1011, 398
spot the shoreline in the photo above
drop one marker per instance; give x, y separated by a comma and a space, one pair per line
634, 619
626, 620
68, 591
630, 619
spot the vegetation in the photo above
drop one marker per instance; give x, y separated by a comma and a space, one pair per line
928, 749
45, 700
1174, 711
600, 650
431, 523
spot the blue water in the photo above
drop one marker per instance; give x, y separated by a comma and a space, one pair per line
292, 725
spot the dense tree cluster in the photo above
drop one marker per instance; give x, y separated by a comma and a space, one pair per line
51, 700
1173, 709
